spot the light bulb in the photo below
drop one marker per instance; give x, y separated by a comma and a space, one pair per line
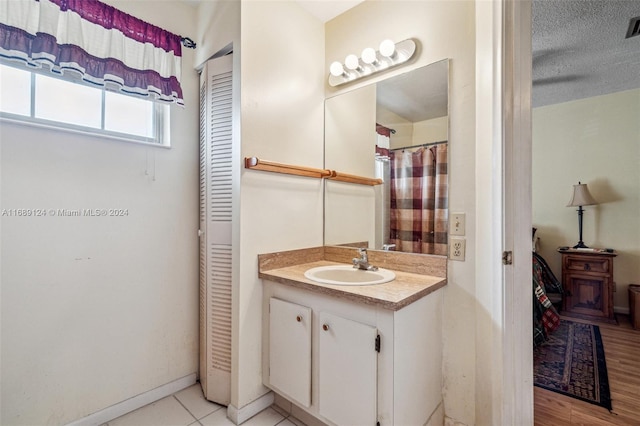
352, 62
369, 56
336, 69
387, 48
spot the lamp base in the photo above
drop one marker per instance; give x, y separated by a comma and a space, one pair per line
580, 245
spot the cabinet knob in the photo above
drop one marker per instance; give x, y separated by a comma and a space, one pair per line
587, 267
298, 318
325, 327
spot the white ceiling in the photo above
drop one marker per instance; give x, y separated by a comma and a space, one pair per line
580, 50
418, 95
326, 10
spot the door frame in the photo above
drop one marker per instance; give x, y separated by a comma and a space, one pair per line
504, 364
518, 209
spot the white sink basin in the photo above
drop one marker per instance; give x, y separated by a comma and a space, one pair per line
348, 275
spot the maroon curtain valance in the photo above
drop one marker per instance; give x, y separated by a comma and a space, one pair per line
384, 131
109, 17
96, 42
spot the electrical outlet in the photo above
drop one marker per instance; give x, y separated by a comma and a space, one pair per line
457, 248
456, 224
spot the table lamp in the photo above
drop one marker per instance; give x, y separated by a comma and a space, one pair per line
581, 197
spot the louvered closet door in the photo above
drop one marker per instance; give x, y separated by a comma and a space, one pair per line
216, 172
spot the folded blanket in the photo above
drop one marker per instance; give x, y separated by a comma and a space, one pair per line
545, 317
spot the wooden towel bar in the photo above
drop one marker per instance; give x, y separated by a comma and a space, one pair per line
255, 163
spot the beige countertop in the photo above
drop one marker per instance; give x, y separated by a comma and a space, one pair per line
406, 288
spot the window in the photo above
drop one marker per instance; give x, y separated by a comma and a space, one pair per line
40, 99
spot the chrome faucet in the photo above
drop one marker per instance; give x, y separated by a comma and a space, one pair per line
363, 261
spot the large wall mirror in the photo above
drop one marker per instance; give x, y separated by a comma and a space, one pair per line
397, 130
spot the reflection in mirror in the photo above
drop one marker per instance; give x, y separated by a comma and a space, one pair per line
396, 130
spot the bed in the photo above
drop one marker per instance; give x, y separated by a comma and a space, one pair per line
545, 316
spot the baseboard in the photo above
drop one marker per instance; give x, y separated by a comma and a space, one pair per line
619, 310
128, 405
241, 415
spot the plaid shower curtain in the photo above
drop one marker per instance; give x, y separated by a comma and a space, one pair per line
419, 200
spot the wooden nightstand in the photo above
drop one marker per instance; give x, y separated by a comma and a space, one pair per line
587, 280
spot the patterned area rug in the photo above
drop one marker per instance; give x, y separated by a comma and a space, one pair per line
572, 363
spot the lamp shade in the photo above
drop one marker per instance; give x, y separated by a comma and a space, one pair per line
581, 196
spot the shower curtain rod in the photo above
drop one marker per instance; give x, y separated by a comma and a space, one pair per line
420, 146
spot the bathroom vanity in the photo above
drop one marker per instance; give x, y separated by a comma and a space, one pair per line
354, 355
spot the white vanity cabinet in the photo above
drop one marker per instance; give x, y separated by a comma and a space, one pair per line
347, 365
350, 382
290, 350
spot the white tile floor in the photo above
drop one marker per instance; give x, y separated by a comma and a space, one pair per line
188, 407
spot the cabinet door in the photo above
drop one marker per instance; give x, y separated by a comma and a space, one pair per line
347, 371
290, 350
588, 294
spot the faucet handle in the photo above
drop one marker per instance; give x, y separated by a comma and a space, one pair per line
363, 254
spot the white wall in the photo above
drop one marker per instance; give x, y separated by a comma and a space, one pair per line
403, 127
218, 24
434, 130
411, 134
347, 216
350, 136
97, 310
444, 29
278, 49
349, 147
282, 93
595, 141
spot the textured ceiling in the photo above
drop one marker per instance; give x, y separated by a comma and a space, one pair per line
580, 50
579, 46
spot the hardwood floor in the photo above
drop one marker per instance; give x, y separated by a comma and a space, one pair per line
622, 352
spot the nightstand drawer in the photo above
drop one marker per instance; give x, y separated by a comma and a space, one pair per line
586, 264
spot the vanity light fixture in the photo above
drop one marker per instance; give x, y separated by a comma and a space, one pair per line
369, 56
387, 48
352, 62
388, 55
337, 70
